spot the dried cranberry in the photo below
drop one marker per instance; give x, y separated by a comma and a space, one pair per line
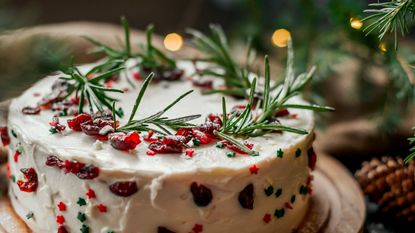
202, 195
4, 135
75, 123
282, 113
214, 118
171, 74
96, 126
164, 230
169, 144
123, 141
88, 172
73, 166
312, 158
31, 110
124, 189
149, 137
231, 146
201, 136
31, 184
209, 128
204, 84
53, 161
246, 197
62, 229
186, 133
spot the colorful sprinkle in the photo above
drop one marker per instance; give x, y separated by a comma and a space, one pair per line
81, 201
220, 145
102, 208
280, 153
269, 190
278, 192
150, 153
90, 194
254, 169
266, 218
303, 190
84, 228
81, 217
60, 219
288, 206
197, 228
231, 154
189, 152
29, 215
196, 142
292, 200
61, 206
298, 152
279, 213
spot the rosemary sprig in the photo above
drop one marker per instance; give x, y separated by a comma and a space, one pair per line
258, 120
223, 66
91, 89
390, 16
157, 122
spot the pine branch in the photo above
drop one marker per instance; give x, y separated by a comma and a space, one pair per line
412, 150
390, 17
157, 122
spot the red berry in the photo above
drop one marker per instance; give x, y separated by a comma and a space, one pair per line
62, 229
53, 161
312, 158
4, 136
202, 195
61, 206
124, 188
31, 110
31, 184
282, 113
201, 136
60, 219
169, 144
246, 197
75, 123
88, 172
90, 194
102, 208
123, 141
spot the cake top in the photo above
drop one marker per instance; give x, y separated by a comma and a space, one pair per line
81, 147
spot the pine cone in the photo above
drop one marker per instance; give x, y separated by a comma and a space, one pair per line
390, 184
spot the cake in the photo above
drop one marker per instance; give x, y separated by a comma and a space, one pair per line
66, 179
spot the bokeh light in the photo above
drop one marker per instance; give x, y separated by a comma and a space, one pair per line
280, 37
356, 23
173, 42
382, 47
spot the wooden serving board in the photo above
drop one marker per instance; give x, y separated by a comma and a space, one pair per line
337, 204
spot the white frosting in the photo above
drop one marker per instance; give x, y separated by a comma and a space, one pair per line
164, 197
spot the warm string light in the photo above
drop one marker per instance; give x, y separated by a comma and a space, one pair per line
382, 47
173, 42
356, 23
280, 37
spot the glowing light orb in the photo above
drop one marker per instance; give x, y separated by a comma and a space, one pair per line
173, 42
280, 37
356, 23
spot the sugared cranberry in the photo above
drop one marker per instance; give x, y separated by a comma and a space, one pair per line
53, 161
123, 141
246, 197
31, 110
203, 137
209, 128
164, 230
214, 118
231, 146
312, 158
73, 166
31, 184
88, 172
124, 189
150, 137
202, 195
186, 133
75, 123
100, 126
169, 144
4, 135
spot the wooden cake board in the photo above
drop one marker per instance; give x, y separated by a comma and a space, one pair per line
337, 204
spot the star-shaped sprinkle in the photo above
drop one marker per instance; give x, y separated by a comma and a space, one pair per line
81, 201
60, 219
292, 200
279, 213
280, 153
254, 169
298, 152
269, 190
84, 228
102, 208
266, 218
90, 194
81, 217
61, 206
278, 192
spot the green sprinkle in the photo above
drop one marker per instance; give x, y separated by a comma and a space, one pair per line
220, 145
280, 153
303, 190
160, 136
230, 154
269, 191
292, 200
120, 112
81, 201
196, 142
13, 178
279, 213
81, 217
278, 192
53, 130
298, 153
84, 228
111, 231
14, 134
63, 113
29, 215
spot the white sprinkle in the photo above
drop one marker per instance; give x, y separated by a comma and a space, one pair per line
98, 145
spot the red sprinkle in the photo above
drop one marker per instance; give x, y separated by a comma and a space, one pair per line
197, 228
102, 208
16, 156
62, 229
254, 169
288, 206
61, 206
150, 153
293, 116
189, 152
267, 218
4, 136
149, 137
90, 194
60, 219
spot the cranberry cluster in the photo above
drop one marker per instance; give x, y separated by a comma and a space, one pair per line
81, 170
99, 125
31, 183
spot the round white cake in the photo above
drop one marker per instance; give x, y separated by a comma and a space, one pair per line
206, 191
